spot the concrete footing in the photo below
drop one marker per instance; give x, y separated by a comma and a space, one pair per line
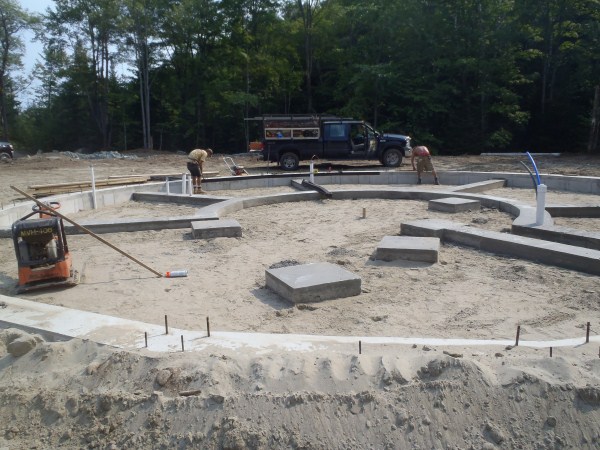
454, 204
207, 229
560, 255
408, 248
309, 283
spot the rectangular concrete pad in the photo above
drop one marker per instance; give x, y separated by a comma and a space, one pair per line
207, 229
309, 283
408, 248
454, 204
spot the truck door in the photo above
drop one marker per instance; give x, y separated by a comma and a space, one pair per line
371, 141
363, 140
336, 140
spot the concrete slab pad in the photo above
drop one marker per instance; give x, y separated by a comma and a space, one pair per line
454, 204
408, 248
309, 283
207, 229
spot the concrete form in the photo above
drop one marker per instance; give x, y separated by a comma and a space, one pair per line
62, 322
308, 283
56, 323
208, 229
481, 186
560, 255
454, 204
408, 248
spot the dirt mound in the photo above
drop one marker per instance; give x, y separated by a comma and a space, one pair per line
79, 395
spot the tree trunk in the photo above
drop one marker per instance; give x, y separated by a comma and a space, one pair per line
146, 63
3, 114
594, 142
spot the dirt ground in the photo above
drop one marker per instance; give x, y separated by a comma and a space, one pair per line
79, 395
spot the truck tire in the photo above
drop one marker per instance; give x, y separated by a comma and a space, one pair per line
289, 161
392, 158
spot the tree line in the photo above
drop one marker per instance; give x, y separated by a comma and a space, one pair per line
461, 76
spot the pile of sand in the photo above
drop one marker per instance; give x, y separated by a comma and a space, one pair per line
78, 395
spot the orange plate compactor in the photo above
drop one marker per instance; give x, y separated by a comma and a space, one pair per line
42, 252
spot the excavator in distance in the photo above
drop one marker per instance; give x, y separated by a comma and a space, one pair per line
42, 252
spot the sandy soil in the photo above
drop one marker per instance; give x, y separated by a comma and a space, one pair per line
79, 395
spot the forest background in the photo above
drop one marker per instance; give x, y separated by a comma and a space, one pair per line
461, 76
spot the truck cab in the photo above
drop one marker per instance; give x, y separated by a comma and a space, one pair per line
289, 139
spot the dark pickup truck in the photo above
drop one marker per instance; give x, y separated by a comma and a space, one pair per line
6, 152
289, 139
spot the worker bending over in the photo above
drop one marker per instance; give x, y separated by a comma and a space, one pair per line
195, 165
424, 163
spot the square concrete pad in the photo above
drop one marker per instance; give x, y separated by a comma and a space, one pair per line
454, 204
314, 282
206, 229
409, 248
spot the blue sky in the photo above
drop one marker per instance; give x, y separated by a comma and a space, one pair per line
32, 49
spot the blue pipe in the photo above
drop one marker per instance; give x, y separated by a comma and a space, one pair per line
532, 177
537, 174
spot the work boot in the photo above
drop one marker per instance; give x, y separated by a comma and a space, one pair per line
201, 192
436, 181
419, 181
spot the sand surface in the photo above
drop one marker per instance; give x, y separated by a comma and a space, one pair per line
79, 395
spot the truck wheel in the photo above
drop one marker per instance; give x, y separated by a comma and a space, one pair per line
392, 158
5, 157
289, 161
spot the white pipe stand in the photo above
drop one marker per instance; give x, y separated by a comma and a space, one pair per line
541, 204
94, 205
312, 172
183, 181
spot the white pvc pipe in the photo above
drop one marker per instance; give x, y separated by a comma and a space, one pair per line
312, 172
190, 187
93, 187
168, 189
541, 204
183, 181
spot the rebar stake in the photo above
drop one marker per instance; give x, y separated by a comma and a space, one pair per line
166, 325
550, 352
146, 338
208, 326
587, 333
518, 334
359, 347
182, 347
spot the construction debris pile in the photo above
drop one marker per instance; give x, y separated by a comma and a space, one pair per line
98, 155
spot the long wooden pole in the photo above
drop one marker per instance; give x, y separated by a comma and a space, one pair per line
90, 232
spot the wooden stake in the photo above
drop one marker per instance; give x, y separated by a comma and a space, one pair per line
364, 213
518, 334
91, 233
208, 326
166, 325
587, 333
550, 352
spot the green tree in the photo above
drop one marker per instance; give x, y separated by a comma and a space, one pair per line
13, 21
93, 26
142, 20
